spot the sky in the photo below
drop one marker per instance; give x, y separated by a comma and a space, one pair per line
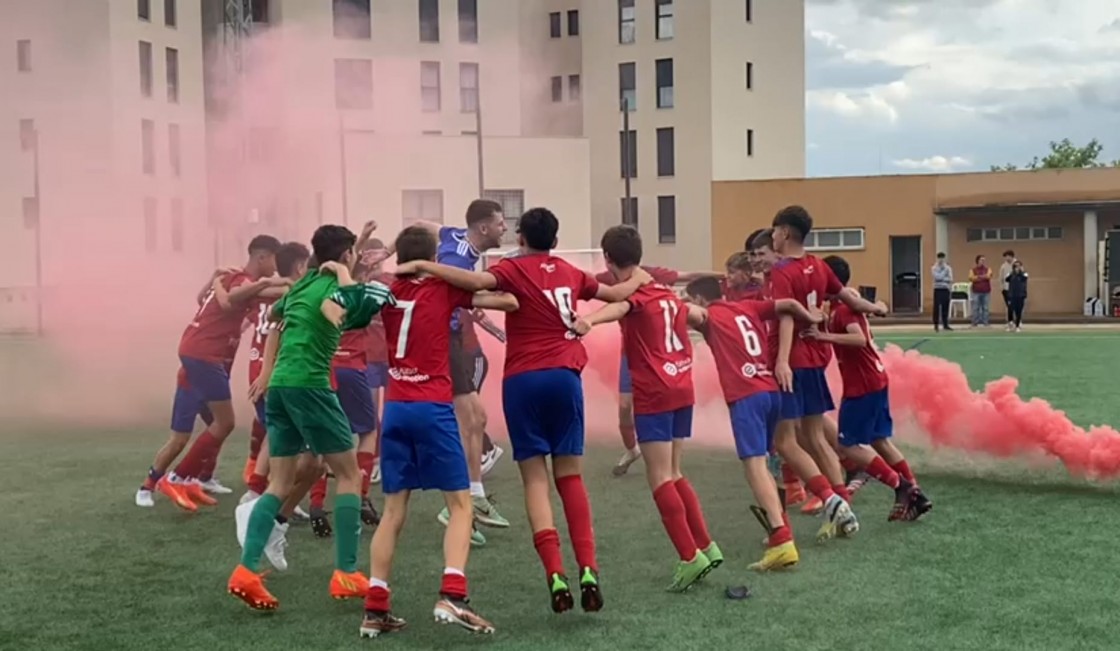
919, 86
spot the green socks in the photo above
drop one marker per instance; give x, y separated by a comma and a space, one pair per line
261, 523
347, 531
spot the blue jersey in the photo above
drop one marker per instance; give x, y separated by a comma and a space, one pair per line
457, 251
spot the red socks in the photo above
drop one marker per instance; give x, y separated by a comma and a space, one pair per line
547, 542
780, 536
788, 474
629, 438
454, 585
672, 509
694, 513
192, 464
842, 491
848, 464
211, 462
819, 487
258, 483
884, 473
365, 463
256, 438
377, 599
319, 493
577, 511
903, 469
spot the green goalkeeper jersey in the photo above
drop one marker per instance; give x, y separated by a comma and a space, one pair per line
309, 340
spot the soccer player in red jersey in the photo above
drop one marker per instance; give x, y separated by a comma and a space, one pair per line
206, 352
742, 281
801, 363
377, 352
659, 357
865, 413
422, 448
734, 330
542, 394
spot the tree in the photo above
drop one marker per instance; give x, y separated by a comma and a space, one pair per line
1064, 155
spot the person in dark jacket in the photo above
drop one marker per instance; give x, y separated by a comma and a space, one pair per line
1017, 295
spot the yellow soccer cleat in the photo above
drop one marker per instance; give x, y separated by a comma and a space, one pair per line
781, 557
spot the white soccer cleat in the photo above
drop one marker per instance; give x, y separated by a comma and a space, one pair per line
490, 459
375, 475
249, 496
241, 517
144, 498
215, 487
277, 543
299, 514
626, 460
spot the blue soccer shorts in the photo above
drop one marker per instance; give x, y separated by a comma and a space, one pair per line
544, 413
377, 374
209, 379
753, 421
259, 407
187, 406
356, 399
421, 448
664, 426
865, 419
810, 396
625, 384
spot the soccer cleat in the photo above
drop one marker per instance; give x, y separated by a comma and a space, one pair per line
795, 494
838, 519
486, 513
320, 525
375, 477
858, 481
562, 600
687, 573
626, 460
215, 487
144, 498
352, 585
369, 513
903, 501
590, 597
375, 623
922, 504
490, 459
249, 496
714, 555
277, 543
176, 494
299, 515
248, 586
247, 472
477, 539
192, 489
812, 507
449, 610
781, 557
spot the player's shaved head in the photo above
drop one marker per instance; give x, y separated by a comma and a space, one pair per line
290, 257
622, 246
331, 243
796, 222
705, 287
415, 243
840, 268
264, 244
481, 211
538, 228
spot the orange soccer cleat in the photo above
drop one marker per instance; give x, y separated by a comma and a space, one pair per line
795, 494
248, 586
176, 494
813, 506
250, 468
193, 490
348, 586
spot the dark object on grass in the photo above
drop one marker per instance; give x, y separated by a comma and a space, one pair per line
738, 592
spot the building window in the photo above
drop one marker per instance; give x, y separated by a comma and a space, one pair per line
834, 239
150, 225
353, 84
557, 89
172, 56
666, 220
573, 22
513, 204
750, 76
629, 211
170, 13
1014, 234
627, 82
421, 205
664, 27
429, 21
261, 14
628, 154
174, 152
666, 164
145, 69
750, 142
351, 19
148, 146
575, 89
177, 225
468, 21
429, 87
468, 87
664, 83
554, 24
26, 134
144, 9
750, 11
626, 20
23, 55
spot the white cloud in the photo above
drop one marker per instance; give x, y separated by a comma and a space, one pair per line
934, 163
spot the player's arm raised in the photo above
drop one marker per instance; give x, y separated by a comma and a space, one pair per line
471, 281
622, 291
499, 301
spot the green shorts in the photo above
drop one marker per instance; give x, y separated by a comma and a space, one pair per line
299, 418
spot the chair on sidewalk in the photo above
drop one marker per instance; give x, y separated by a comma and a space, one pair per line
960, 296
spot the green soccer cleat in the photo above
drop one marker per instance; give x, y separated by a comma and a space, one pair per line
590, 597
688, 573
714, 555
486, 513
562, 600
477, 539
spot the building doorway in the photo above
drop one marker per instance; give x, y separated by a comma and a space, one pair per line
906, 274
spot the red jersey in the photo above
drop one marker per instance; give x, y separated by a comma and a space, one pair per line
660, 275
376, 350
658, 350
539, 334
861, 369
261, 327
418, 336
213, 335
735, 332
750, 292
351, 351
808, 281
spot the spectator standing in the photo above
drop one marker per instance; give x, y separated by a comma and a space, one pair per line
981, 278
1004, 272
1016, 282
942, 290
